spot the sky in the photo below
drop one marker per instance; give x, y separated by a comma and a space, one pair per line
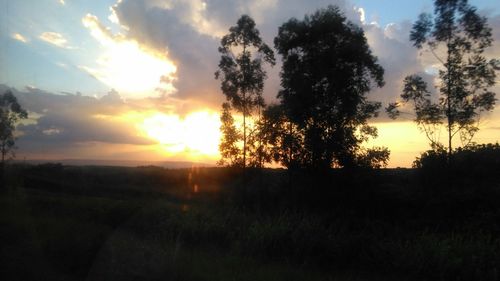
134, 79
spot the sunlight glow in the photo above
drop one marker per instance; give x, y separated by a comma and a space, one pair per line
125, 65
403, 139
196, 135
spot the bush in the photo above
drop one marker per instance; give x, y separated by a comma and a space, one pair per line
475, 164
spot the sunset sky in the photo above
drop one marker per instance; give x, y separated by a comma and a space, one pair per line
134, 79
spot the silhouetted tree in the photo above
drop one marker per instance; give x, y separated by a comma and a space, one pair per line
328, 69
10, 112
240, 69
258, 153
228, 147
457, 37
282, 139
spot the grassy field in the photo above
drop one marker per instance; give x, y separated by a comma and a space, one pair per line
148, 223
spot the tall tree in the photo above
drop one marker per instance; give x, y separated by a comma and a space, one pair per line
328, 69
10, 112
241, 71
456, 36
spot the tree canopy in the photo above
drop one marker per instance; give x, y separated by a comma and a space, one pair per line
456, 36
328, 69
241, 71
10, 112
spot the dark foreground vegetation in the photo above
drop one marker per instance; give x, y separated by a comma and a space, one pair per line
148, 223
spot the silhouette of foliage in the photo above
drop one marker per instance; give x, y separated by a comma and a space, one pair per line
473, 158
328, 69
228, 147
258, 152
241, 71
282, 137
474, 167
10, 112
376, 157
457, 37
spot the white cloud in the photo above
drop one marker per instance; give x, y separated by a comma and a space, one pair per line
126, 65
362, 17
55, 39
62, 2
20, 37
191, 29
61, 64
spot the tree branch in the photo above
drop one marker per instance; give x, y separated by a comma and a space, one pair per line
435, 55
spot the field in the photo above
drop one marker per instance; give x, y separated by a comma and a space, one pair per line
149, 223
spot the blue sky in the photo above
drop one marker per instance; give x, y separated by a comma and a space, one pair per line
39, 63
159, 56
393, 11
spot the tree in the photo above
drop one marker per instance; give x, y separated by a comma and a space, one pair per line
280, 137
10, 112
241, 71
228, 147
328, 69
457, 37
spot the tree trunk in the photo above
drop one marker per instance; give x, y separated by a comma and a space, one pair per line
450, 121
448, 104
244, 131
290, 145
261, 149
2, 167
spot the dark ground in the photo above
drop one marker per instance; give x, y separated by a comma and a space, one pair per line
149, 223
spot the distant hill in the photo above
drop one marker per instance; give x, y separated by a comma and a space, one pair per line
122, 163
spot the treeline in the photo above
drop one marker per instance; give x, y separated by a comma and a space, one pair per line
321, 118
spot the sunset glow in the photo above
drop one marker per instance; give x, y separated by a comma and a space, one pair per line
195, 135
125, 66
129, 80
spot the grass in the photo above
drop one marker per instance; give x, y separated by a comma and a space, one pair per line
148, 223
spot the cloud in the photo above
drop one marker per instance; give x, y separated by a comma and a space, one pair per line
62, 2
67, 119
55, 39
191, 30
64, 120
126, 65
112, 127
396, 55
61, 64
362, 17
162, 27
20, 37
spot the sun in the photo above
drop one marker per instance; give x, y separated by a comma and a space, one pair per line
195, 135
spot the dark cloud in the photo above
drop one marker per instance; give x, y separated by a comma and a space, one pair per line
191, 35
66, 121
